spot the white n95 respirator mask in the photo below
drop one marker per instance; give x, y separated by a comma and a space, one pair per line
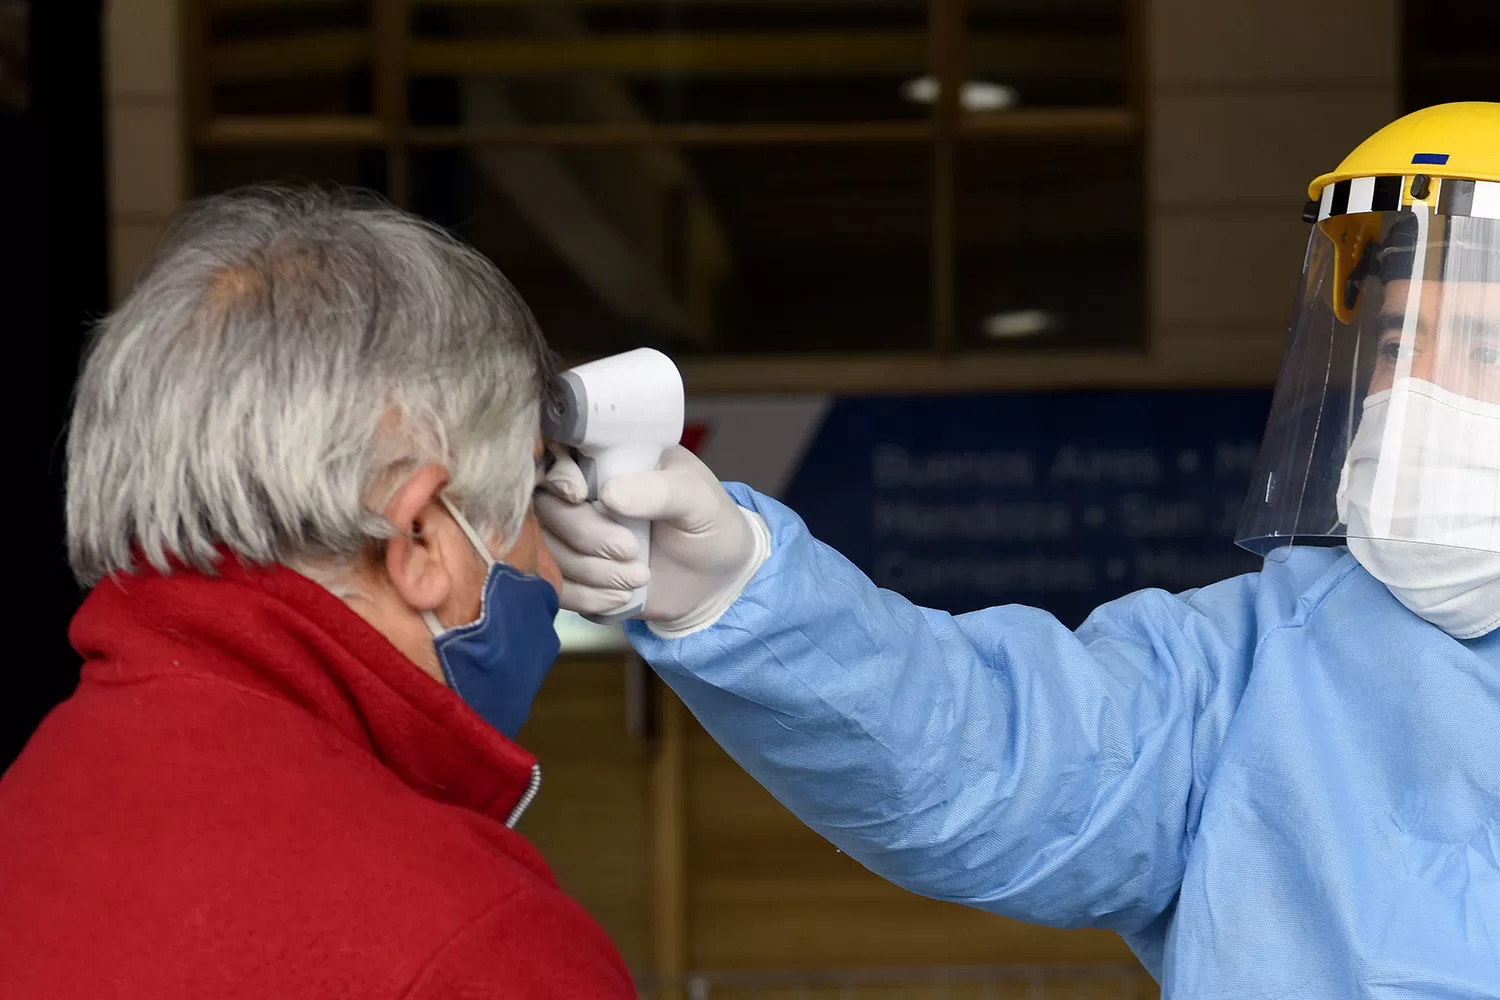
1420, 496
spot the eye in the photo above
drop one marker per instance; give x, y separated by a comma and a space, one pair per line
1487, 353
1390, 350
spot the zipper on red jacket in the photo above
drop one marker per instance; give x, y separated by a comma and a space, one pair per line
526, 799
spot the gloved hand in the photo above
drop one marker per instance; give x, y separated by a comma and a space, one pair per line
705, 548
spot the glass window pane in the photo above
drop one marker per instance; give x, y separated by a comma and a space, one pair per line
1046, 54
300, 57
540, 62
1051, 241
807, 248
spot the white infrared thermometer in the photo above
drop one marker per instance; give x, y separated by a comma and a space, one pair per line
619, 414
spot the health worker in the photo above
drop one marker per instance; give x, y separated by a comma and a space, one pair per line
1286, 784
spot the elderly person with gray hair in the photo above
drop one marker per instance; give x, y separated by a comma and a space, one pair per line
300, 471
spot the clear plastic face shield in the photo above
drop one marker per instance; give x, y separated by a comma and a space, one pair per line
1386, 419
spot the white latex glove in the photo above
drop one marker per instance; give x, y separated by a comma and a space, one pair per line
705, 548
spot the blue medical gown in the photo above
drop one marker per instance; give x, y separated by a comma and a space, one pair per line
1281, 785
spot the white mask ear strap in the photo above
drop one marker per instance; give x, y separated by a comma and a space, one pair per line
433, 625
469, 532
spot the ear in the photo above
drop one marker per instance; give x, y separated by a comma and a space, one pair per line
413, 559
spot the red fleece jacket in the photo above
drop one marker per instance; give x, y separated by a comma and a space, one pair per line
253, 794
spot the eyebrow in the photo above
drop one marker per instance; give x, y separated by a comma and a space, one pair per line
1392, 322
1485, 326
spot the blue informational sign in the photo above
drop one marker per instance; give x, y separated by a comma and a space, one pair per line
1058, 501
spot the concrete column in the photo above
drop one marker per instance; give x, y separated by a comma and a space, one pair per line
144, 125
1248, 102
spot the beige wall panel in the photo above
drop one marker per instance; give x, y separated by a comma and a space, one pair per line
141, 48
1200, 354
145, 159
766, 892
131, 246
1248, 103
144, 135
1256, 147
1227, 267
591, 820
1274, 42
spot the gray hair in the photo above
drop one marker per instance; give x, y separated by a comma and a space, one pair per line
286, 355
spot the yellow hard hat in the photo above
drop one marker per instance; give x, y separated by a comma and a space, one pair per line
1457, 141
1403, 163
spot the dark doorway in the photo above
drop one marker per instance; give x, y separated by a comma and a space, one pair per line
1450, 53
55, 282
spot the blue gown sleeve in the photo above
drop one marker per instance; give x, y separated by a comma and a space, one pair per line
994, 759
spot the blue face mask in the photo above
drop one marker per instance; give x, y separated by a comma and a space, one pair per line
497, 664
